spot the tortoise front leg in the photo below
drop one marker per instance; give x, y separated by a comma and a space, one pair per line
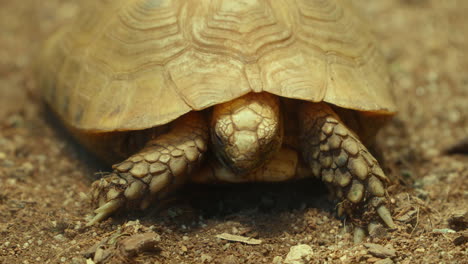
337, 156
160, 167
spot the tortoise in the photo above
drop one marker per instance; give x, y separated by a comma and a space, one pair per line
173, 91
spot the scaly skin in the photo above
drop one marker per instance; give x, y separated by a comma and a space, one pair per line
247, 133
160, 167
337, 156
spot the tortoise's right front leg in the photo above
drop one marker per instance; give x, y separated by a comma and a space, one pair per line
162, 165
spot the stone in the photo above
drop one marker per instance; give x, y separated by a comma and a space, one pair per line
139, 243
277, 260
300, 254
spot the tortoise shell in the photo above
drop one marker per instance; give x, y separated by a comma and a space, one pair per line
131, 65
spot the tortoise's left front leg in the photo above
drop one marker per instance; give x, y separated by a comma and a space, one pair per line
337, 156
162, 165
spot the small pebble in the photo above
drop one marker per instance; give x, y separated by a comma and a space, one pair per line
60, 238
205, 258
277, 260
300, 254
183, 249
135, 244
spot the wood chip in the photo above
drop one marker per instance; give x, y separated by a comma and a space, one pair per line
407, 216
384, 261
246, 240
380, 251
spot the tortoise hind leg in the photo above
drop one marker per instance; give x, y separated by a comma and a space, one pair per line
337, 156
162, 165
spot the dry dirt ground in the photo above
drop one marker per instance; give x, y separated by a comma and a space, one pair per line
44, 176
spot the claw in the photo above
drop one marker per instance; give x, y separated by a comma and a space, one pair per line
358, 235
384, 213
105, 210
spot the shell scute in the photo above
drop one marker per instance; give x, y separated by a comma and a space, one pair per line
130, 65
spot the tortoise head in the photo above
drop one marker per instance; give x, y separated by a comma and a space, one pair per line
246, 132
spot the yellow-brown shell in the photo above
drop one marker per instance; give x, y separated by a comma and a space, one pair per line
135, 64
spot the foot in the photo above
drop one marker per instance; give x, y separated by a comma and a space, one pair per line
336, 156
156, 170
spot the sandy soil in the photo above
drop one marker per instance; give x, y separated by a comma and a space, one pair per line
44, 176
